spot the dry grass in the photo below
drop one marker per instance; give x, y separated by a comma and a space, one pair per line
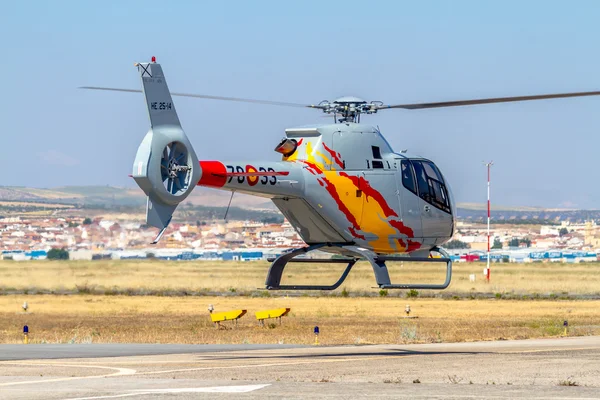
164, 277
86, 318
349, 320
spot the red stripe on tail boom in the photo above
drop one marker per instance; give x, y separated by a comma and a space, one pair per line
213, 174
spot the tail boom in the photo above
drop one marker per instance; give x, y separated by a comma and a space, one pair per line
271, 179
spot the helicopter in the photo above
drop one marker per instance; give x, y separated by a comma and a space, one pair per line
340, 185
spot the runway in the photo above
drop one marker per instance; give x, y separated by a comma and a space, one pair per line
566, 368
49, 351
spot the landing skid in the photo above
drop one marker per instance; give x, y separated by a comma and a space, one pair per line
382, 276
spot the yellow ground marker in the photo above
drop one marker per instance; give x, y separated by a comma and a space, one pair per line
233, 315
267, 314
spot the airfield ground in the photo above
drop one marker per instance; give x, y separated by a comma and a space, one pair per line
166, 302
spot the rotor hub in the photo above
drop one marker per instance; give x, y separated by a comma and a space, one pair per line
349, 108
174, 168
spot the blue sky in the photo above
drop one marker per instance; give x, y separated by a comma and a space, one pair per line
545, 152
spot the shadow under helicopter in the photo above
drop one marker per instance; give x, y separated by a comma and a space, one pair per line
392, 353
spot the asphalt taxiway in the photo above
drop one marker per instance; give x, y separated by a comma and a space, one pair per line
566, 368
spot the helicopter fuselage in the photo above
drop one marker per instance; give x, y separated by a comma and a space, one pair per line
342, 183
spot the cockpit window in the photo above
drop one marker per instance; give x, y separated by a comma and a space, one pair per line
422, 181
408, 179
431, 185
432, 171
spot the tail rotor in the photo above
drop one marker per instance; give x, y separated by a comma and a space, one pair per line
175, 171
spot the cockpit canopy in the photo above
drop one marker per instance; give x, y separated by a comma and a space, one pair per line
424, 179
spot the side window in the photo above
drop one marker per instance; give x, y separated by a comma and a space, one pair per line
377, 156
408, 179
376, 152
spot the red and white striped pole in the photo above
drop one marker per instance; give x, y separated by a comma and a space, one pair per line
488, 165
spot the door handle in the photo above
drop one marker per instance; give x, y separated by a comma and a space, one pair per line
426, 208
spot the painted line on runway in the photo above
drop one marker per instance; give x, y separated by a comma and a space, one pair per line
92, 363
208, 389
132, 372
110, 396
120, 372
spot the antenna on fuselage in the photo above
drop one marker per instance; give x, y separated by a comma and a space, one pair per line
229, 205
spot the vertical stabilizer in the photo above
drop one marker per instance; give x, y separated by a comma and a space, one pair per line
158, 98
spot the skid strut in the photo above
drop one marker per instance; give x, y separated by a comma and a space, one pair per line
274, 275
382, 276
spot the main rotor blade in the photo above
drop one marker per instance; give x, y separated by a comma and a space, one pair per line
457, 103
205, 96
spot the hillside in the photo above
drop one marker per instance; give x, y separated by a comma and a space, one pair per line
110, 196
